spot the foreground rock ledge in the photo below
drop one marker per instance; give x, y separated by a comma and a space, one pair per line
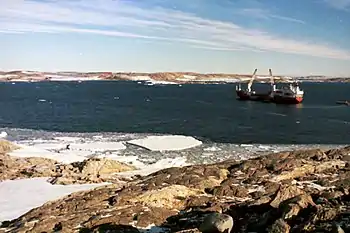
298, 191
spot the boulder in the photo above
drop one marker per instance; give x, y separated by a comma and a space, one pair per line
217, 223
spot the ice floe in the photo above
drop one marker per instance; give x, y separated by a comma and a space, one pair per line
98, 146
166, 143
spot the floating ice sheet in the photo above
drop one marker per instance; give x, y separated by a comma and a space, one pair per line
166, 143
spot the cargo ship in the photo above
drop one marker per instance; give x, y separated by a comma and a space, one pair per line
287, 94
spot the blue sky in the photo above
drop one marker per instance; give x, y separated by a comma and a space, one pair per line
299, 37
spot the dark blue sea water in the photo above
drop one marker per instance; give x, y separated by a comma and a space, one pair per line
210, 112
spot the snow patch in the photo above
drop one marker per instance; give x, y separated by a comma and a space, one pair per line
64, 151
140, 78
145, 170
153, 82
166, 143
42, 151
20, 196
225, 80
72, 78
153, 229
3, 134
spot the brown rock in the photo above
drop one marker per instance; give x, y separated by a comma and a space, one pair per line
216, 223
229, 188
285, 193
16, 168
173, 196
293, 206
93, 170
275, 192
280, 226
6, 147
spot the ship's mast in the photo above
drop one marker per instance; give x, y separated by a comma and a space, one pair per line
272, 80
252, 80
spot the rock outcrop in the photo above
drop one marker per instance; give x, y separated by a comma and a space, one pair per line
6, 147
298, 191
92, 170
16, 168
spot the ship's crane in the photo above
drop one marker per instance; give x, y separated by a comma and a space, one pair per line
252, 80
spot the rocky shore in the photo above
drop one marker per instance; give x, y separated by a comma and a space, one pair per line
167, 77
91, 170
295, 191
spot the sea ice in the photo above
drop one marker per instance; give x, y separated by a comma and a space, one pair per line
98, 146
19, 196
68, 139
166, 143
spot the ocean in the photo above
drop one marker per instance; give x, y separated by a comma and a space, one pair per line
125, 110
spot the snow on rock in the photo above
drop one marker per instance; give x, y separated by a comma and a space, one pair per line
226, 80
152, 229
187, 78
166, 143
19, 196
153, 82
72, 78
3, 134
140, 78
39, 151
66, 150
145, 170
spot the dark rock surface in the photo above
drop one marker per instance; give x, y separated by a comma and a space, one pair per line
298, 191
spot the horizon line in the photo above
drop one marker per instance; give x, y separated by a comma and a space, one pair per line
195, 72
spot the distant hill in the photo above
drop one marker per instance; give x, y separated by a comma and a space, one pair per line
165, 77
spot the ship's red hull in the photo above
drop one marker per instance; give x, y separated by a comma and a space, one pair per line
287, 100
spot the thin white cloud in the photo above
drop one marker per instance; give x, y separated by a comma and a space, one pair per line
266, 14
339, 4
125, 19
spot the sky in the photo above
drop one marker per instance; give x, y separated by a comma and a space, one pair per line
299, 37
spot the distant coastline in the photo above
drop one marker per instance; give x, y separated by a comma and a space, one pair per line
159, 77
